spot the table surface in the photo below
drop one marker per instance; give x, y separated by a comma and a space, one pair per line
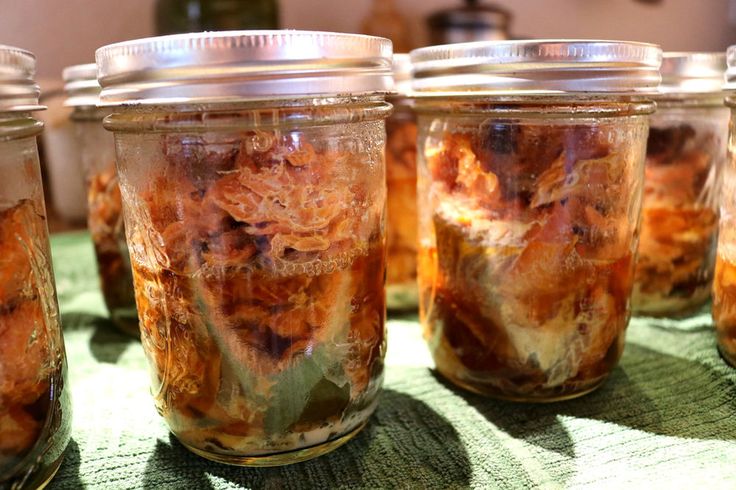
665, 418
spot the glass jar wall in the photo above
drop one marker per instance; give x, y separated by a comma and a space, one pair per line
35, 412
104, 203
527, 243
401, 181
686, 152
724, 281
528, 215
257, 241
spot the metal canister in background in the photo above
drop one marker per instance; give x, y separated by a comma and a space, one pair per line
401, 199
686, 151
253, 183
724, 281
104, 205
471, 22
35, 412
530, 172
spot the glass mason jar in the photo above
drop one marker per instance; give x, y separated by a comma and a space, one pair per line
256, 230
401, 198
34, 397
724, 281
104, 204
530, 193
686, 151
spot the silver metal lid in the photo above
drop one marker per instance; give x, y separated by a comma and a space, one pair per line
81, 86
692, 72
401, 67
731, 70
550, 66
18, 89
242, 65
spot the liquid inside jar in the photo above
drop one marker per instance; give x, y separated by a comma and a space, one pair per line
402, 240
685, 153
259, 260
34, 404
528, 233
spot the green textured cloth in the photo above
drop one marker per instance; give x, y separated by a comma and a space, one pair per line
665, 419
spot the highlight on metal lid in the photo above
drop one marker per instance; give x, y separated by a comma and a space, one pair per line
549, 66
242, 65
81, 86
401, 67
692, 72
731, 68
18, 89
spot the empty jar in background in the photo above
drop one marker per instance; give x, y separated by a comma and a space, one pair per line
531, 157
686, 152
104, 204
724, 281
255, 212
35, 416
401, 181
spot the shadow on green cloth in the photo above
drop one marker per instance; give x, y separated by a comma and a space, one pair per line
409, 315
68, 474
650, 391
107, 343
698, 321
405, 444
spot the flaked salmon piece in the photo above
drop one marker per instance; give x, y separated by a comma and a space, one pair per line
29, 348
185, 361
527, 288
564, 179
724, 306
105, 208
678, 184
25, 349
401, 150
259, 276
678, 233
19, 432
17, 247
25, 353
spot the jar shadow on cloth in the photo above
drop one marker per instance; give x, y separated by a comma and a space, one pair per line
68, 475
406, 443
649, 391
697, 321
107, 343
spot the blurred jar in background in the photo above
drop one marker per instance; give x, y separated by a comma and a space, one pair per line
385, 20
175, 16
401, 180
686, 151
35, 415
471, 22
67, 205
104, 215
724, 282
529, 200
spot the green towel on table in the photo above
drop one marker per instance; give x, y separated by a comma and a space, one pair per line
666, 418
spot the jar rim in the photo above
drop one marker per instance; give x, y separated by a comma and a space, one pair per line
537, 106
295, 113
